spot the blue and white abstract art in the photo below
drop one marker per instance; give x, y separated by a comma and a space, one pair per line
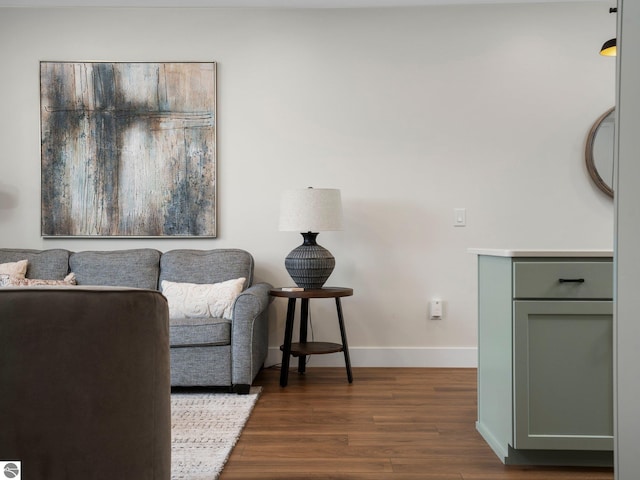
128, 149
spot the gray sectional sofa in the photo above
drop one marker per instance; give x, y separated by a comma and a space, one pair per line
204, 351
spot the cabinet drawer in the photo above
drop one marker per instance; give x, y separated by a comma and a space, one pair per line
578, 280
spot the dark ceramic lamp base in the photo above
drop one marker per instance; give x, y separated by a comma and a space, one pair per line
310, 264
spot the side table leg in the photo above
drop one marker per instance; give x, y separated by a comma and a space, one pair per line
286, 348
304, 320
343, 334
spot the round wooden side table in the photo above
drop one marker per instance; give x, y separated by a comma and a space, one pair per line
304, 348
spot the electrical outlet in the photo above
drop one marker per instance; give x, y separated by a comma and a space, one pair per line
435, 309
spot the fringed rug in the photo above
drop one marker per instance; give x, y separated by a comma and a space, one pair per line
204, 429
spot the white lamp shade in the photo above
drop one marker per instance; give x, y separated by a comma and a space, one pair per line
310, 210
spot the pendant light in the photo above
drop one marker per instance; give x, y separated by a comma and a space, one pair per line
609, 48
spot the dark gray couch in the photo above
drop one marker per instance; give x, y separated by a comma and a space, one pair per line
204, 352
84, 375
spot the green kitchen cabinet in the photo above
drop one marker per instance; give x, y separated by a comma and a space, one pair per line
545, 356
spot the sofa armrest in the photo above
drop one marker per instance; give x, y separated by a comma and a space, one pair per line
254, 299
249, 333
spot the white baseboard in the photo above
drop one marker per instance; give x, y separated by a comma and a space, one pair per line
446, 357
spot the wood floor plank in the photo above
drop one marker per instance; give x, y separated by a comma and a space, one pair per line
391, 424
338, 476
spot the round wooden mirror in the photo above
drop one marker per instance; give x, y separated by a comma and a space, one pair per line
599, 151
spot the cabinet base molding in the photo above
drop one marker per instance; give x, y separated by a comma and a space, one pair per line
570, 458
555, 458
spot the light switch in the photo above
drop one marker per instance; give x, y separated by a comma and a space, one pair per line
459, 217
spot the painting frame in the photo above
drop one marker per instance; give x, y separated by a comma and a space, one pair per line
128, 149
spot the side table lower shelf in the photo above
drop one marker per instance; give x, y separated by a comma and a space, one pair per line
313, 348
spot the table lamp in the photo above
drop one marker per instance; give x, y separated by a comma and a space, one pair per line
310, 211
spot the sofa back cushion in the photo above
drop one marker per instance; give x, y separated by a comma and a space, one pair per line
206, 266
52, 264
137, 268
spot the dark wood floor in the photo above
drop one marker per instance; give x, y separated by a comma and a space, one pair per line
391, 423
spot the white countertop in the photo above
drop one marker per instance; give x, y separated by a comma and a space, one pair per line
499, 252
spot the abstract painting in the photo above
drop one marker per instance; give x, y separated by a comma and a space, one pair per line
128, 149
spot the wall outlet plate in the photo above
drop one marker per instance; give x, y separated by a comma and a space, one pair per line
435, 309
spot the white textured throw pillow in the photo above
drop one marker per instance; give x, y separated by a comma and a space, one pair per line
15, 281
16, 269
193, 300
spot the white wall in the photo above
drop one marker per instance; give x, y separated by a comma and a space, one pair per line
411, 112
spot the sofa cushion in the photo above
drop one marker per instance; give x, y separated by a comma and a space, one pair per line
16, 269
14, 281
190, 332
206, 266
137, 268
52, 264
197, 300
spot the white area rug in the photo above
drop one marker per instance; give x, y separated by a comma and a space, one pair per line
204, 429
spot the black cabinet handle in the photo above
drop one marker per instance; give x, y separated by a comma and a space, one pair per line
571, 280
